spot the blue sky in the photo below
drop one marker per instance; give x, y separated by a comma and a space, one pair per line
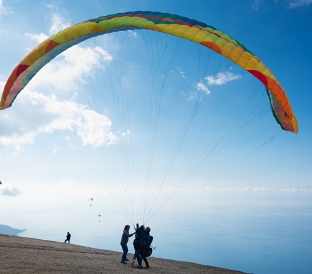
71, 134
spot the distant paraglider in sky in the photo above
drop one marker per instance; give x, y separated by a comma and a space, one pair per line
91, 200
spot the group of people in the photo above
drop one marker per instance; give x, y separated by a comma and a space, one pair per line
141, 244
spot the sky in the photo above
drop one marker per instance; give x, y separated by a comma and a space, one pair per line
149, 125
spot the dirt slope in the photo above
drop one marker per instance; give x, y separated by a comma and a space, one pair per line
28, 255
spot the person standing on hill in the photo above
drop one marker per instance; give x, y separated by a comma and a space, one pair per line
124, 240
145, 242
68, 238
136, 242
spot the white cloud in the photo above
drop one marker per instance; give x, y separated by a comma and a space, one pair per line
261, 189
299, 3
125, 134
182, 73
4, 10
306, 190
58, 23
256, 189
221, 78
288, 189
11, 192
229, 189
194, 96
72, 67
17, 140
201, 87
132, 33
37, 37
69, 72
93, 128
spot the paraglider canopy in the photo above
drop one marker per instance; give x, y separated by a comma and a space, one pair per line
175, 25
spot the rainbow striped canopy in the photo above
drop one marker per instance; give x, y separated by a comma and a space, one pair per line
175, 25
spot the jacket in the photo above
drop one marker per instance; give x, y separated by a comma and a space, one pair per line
125, 237
145, 239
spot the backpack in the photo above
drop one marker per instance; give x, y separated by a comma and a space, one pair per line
151, 239
148, 251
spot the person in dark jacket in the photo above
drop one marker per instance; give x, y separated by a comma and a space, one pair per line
145, 241
124, 240
68, 238
136, 242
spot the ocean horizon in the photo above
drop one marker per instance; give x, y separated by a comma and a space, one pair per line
252, 240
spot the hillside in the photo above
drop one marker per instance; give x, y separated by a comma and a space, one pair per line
28, 255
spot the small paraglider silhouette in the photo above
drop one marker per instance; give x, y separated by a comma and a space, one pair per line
0, 183
99, 216
90, 199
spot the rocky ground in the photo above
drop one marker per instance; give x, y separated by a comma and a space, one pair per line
28, 255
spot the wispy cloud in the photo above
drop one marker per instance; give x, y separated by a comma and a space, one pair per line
289, 189
4, 10
37, 37
182, 73
299, 3
225, 189
256, 4
255, 189
261, 189
221, 78
132, 33
201, 87
218, 80
58, 23
11, 192
291, 3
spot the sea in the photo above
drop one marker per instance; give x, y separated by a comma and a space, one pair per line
253, 239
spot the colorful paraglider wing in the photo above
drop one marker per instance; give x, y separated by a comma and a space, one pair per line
175, 25
90, 199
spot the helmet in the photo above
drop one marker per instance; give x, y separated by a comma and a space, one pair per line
148, 229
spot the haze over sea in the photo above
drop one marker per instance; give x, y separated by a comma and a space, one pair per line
246, 235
